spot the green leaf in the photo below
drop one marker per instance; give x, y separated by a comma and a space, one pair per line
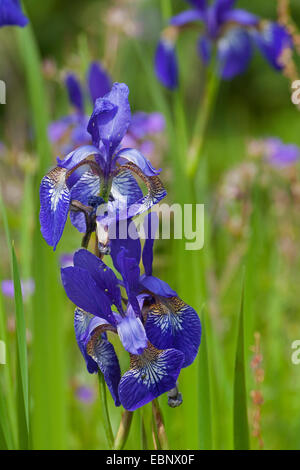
205, 432
48, 354
22, 363
240, 415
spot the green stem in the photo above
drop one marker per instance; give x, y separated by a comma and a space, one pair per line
123, 430
160, 426
166, 9
201, 123
105, 413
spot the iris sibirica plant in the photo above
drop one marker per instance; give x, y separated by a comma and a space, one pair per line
229, 33
96, 184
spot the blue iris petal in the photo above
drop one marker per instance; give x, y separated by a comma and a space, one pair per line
173, 324
11, 14
271, 41
166, 67
75, 92
98, 80
111, 118
55, 199
152, 373
84, 292
234, 53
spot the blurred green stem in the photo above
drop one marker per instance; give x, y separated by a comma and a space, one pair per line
166, 9
201, 122
104, 408
123, 430
160, 426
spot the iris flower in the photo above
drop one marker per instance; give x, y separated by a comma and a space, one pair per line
11, 13
70, 131
161, 332
232, 32
99, 176
276, 152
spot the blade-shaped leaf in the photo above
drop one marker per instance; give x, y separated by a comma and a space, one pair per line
22, 364
240, 415
205, 433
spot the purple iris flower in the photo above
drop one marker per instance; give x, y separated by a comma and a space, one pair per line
85, 394
280, 154
71, 130
161, 332
98, 179
11, 13
27, 287
232, 32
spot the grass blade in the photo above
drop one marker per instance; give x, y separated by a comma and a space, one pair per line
22, 363
205, 432
48, 363
240, 415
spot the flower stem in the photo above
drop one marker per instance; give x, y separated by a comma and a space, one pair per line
196, 146
105, 414
160, 426
123, 430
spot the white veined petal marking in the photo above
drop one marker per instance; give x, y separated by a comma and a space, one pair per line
150, 367
168, 312
58, 191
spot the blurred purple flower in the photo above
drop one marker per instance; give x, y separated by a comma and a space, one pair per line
27, 286
66, 259
71, 130
233, 32
11, 13
280, 154
85, 394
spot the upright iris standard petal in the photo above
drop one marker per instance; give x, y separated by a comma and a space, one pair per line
11, 13
234, 53
136, 157
173, 324
185, 17
166, 66
55, 200
99, 82
74, 92
131, 332
111, 118
83, 291
152, 373
271, 41
103, 353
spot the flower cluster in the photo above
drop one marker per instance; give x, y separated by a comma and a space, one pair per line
228, 32
95, 184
